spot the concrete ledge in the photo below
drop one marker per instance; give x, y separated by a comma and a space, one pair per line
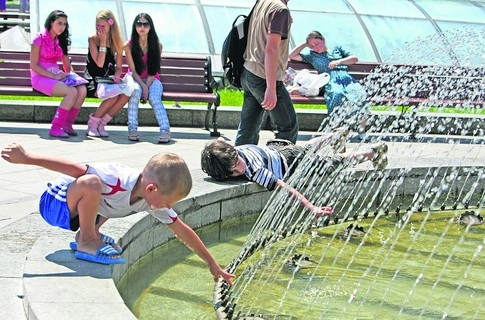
228, 118
58, 286
55, 285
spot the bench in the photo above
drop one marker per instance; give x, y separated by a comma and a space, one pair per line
419, 85
359, 71
413, 86
184, 78
9, 19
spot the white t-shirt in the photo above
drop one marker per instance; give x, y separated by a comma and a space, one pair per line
118, 181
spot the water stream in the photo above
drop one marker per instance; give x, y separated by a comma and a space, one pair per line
429, 266
332, 275
394, 247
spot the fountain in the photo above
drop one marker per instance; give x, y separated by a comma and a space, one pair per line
403, 243
384, 253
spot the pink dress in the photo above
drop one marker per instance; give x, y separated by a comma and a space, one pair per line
49, 54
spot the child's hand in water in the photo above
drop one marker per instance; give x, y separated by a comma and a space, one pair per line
320, 211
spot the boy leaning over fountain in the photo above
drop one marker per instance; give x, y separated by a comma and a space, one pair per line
267, 165
113, 190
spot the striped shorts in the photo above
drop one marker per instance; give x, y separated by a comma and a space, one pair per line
53, 206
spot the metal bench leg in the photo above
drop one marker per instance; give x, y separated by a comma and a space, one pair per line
413, 126
214, 132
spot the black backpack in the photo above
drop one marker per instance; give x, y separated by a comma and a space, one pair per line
233, 49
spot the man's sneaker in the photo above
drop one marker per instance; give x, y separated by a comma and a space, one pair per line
279, 142
339, 139
380, 158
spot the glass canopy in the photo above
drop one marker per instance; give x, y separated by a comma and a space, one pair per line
398, 31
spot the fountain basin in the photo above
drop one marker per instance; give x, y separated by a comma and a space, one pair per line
239, 198
50, 271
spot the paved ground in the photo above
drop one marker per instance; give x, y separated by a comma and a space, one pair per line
20, 186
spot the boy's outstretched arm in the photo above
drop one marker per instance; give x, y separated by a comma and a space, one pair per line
188, 237
319, 211
15, 153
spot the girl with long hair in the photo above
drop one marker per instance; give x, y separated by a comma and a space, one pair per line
143, 54
105, 58
48, 47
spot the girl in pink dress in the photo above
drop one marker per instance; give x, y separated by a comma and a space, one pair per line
48, 47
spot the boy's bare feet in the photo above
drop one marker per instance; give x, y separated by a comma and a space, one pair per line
105, 239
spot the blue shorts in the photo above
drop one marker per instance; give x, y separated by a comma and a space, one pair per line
53, 207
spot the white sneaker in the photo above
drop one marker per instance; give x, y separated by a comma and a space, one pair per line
133, 136
164, 138
340, 139
380, 160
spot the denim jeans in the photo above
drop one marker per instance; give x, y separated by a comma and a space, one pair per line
283, 116
24, 5
155, 92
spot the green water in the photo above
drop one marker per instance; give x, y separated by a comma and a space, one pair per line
429, 267
184, 287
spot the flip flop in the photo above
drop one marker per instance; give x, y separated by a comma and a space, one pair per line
106, 239
103, 255
73, 246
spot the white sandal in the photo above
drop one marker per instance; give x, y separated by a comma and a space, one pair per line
164, 138
133, 136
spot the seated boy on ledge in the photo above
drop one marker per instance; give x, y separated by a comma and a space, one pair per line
267, 165
114, 190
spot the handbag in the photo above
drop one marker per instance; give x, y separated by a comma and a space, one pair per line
73, 80
108, 79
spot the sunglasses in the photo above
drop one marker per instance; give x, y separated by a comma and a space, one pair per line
142, 24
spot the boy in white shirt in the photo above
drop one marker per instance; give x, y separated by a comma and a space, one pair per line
114, 190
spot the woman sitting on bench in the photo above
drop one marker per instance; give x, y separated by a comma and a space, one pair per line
49, 47
342, 86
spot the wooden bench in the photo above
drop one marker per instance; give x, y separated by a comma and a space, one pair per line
413, 85
184, 78
9, 19
359, 71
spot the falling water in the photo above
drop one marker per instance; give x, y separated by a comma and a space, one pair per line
412, 258
455, 47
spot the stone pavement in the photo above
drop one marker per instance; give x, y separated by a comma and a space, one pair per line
21, 227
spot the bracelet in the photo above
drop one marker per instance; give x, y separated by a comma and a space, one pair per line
102, 49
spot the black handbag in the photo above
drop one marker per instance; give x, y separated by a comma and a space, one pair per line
104, 79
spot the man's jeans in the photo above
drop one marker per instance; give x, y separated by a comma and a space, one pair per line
283, 116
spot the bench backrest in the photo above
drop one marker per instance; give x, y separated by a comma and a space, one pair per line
433, 82
178, 74
359, 70
437, 83
10, 19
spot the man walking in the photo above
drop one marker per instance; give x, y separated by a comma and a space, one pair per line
266, 59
